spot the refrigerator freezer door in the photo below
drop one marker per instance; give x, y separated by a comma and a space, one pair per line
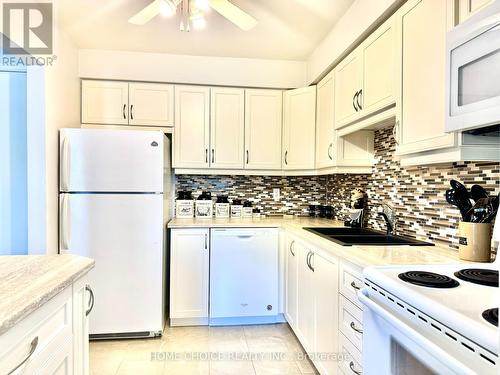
98, 160
124, 234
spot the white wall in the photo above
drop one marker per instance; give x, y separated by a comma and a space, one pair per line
351, 29
160, 67
62, 110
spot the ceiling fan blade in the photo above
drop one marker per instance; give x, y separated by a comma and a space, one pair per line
146, 14
234, 14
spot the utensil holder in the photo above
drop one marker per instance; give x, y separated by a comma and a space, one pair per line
474, 241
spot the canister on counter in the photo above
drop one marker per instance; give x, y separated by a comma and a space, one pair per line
184, 205
204, 205
247, 209
222, 207
236, 208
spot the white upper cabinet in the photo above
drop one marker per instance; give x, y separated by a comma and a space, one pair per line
348, 87
325, 122
192, 127
420, 120
151, 104
299, 128
379, 64
263, 124
468, 7
227, 129
105, 102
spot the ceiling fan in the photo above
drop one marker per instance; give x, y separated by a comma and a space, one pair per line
192, 13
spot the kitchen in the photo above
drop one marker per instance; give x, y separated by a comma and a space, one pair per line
252, 187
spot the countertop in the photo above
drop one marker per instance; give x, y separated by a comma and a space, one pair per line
361, 256
29, 281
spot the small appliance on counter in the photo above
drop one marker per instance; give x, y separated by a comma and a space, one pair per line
322, 211
184, 205
222, 207
247, 209
236, 208
477, 210
357, 209
204, 206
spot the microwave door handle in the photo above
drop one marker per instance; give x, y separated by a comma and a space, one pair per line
451, 363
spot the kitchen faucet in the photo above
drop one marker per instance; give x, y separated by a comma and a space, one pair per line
389, 215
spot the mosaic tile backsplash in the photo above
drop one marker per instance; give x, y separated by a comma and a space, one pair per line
417, 193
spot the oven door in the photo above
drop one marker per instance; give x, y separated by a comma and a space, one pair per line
392, 347
473, 54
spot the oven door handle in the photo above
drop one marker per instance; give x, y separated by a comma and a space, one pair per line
451, 363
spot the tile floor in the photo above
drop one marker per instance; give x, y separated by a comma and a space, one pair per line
241, 350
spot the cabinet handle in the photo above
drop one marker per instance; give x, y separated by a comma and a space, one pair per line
132, 112
395, 132
354, 328
354, 101
353, 284
206, 241
33, 346
124, 108
351, 366
91, 300
286, 157
307, 259
311, 259
213, 155
291, 247
359, 99
329, 149
206, 155
247, 156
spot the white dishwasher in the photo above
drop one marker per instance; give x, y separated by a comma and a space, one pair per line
243, 273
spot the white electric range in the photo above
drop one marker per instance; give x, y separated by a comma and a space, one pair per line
431, 319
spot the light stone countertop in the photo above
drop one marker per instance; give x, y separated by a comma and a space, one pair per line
362, 256
29, 281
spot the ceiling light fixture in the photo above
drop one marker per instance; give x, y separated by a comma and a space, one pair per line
167, 8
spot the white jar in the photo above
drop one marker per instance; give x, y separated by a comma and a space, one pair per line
221, 210
236, 210
184, 208
247, 212
204, 209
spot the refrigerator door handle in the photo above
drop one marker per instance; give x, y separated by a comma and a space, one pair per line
65, 165
65, 226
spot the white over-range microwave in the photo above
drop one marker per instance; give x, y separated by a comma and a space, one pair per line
473, 72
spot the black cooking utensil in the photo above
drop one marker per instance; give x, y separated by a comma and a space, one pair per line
450, 197
462, 200
491, 209
477, 192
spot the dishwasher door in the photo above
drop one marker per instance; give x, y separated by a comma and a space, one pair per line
244, 272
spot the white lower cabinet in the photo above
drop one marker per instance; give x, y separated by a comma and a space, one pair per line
189, 273
311, 306
240, 267
53, 339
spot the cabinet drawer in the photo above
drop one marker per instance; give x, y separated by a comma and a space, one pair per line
41, 332
351, 321
351, 364
350, 282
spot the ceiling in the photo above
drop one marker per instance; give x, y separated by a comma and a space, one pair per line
287, 29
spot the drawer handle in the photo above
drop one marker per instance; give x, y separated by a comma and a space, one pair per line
91, 300
33, 346
353, 284
354, 328
351, 366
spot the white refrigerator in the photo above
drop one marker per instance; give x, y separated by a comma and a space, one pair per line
114, 203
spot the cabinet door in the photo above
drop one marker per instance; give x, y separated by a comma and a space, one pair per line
348, 82
421, 31
151, 104
192, 125
325, 126
263, 127
326, 310
468, 7
189, 272
82, 307
227, 128
299, 128
291, 283
379, 69
305, 299
104, 102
